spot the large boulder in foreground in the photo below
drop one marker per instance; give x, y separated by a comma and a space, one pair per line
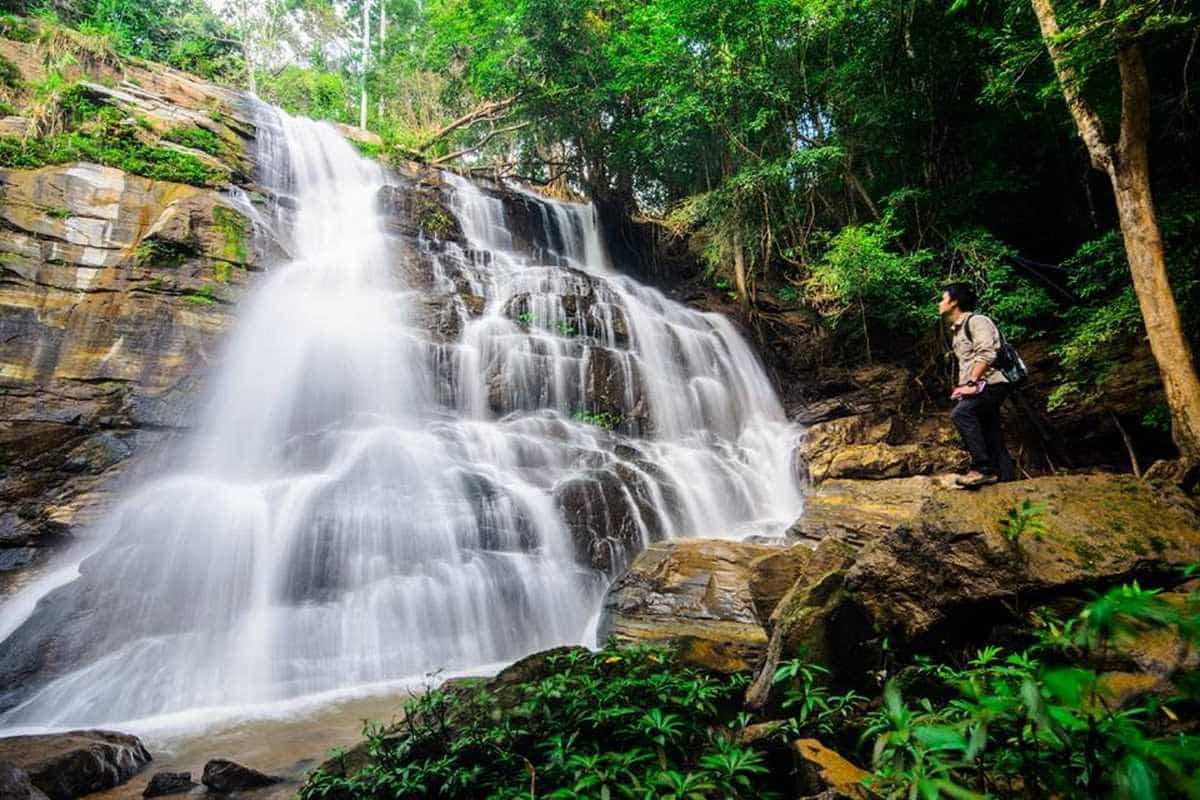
925, 565
68, 765
955, 557
709, 597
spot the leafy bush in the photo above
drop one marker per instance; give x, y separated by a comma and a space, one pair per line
1020, 306
10, 74
618, 723
864, 284
1107, 323
309, 92
1022, 519
1037, 723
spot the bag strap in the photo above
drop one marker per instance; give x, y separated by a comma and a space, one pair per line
967, 329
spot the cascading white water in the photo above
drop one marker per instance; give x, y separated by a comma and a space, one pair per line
366, 501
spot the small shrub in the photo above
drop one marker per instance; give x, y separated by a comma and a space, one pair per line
10, 74
16, 28
204, 296
1022, 519
1037, 723
607, 420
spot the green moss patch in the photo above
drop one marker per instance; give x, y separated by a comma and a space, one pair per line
198, 139
235, 231
102, 135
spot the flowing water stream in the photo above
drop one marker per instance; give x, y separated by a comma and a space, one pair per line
403, 469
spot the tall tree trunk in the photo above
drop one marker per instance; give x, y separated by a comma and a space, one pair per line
366, 60
382, 45
1127, 164
739, 268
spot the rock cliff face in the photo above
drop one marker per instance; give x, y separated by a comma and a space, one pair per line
114, 289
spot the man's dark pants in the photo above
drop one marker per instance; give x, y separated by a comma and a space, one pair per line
977, 418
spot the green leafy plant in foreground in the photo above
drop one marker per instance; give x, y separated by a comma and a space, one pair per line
1039, 723
618, 723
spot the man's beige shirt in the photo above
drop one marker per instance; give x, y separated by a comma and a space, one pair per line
983, 345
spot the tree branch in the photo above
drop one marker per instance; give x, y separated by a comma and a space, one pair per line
492, 134
488, 111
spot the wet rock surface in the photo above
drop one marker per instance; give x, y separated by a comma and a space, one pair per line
69, 765
15, 784
705, 595
222, 776
168, 783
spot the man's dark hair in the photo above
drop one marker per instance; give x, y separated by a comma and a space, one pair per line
963, 294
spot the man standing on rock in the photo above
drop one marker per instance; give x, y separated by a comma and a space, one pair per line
981, 388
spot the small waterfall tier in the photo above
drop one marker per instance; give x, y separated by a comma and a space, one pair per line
416, 455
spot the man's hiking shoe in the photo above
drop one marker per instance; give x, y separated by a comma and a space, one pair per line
974, 479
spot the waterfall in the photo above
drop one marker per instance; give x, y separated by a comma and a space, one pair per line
367, 499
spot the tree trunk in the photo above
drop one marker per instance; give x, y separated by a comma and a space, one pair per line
366, 60
739, 269
382, 45
1127, 164
1164, 330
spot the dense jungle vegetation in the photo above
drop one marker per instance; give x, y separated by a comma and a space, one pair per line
843, 157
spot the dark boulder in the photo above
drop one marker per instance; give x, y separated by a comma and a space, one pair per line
223, 777
69, 765
165, 783
15, 784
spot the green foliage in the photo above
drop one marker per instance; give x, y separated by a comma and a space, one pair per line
1036, 723
204, 296
161, 254
198, 139
10, 74
608, 420
433, 219
788, 294
113, 149
1029, 517
16, 28
183, 33
864, 284
100, 135
310, 92
1106, 324
1018, 305
813, 710
618, 723
58, 212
